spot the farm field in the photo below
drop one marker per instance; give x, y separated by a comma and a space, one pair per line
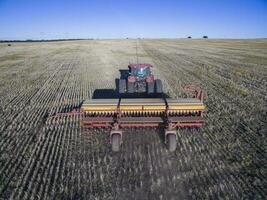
46, 158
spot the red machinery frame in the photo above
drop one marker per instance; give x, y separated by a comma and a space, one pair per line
118, 121
199, 94
166, 120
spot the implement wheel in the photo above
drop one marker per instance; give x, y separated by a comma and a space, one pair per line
115, 142
122, 86
171, 142
159, 89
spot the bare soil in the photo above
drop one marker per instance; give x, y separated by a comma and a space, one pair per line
43, 158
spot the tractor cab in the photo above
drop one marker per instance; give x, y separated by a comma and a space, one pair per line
140, 70
140, 80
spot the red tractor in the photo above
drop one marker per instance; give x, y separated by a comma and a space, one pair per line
140, 79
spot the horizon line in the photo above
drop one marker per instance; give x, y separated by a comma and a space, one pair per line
126, 38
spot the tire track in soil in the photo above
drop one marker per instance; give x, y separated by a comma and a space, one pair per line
145, 169
66, 163
19, 158
29, 175
171, 62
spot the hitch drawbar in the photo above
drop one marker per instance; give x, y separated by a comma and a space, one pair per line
122, 113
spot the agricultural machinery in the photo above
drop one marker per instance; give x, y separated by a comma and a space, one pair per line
119, 113
140, 79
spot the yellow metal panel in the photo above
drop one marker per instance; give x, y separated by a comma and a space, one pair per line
98, 108
143, 104
154, 108
131, 107
135, 107
193, 107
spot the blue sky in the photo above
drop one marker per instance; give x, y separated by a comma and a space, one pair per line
52, 19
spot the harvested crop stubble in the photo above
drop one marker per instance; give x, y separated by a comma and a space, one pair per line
42, 157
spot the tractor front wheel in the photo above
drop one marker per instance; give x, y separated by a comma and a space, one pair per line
115, 142
122, 86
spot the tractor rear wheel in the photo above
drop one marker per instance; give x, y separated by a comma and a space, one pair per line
171, 142
122, 86
115, 142
159, 89
150, 88
130, 87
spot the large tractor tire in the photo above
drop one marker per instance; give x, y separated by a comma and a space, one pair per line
171, 142
115, 142
130, 88
150, 88
159, 89
122, 86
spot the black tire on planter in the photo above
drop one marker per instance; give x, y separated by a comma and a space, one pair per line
130, 88
122, 86
115, 142
150, 88
171, 142
159, 89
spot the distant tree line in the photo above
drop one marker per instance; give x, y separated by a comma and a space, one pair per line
205, 37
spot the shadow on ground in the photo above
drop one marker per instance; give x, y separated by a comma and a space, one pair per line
114, 93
